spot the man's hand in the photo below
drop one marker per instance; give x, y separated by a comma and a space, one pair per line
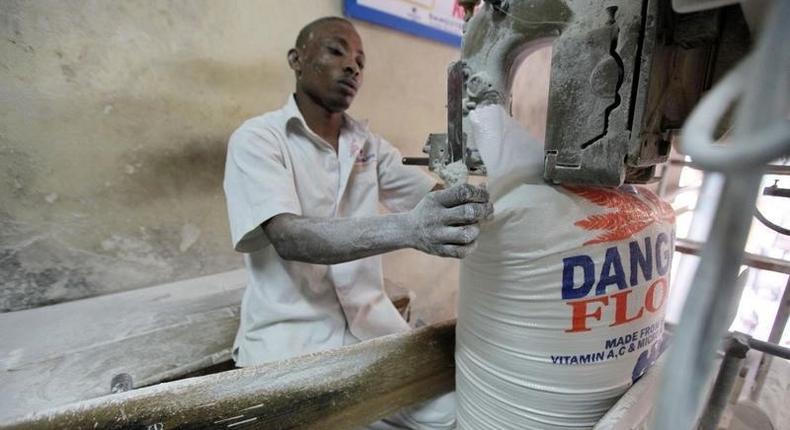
445, 222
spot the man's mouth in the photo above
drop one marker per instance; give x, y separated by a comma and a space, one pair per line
348, 85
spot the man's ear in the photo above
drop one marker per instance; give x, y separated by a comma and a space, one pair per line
293, 61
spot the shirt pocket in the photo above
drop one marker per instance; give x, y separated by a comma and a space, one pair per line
364, 174
362, 192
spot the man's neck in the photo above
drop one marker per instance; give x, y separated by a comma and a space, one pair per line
322, 122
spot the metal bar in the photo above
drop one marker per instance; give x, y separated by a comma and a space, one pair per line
771, 351
736, 347
704, 313
774, 190
416, 161
782, 314
776, 169
770, 169
752, 260
344, 388
770, 348
455, 133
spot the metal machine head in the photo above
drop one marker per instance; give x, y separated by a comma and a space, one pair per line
624, 74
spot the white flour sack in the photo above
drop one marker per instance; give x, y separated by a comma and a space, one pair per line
561, 306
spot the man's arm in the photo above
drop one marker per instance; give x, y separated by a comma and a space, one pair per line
444, 223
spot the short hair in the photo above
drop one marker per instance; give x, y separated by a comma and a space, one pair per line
304, 33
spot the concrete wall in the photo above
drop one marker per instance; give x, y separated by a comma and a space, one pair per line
114, 118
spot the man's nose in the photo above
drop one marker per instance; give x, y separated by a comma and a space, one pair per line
352, 69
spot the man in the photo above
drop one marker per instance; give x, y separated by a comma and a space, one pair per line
303, 187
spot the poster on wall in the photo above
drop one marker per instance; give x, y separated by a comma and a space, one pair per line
440, 20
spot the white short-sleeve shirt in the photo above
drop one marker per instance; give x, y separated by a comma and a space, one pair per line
276, 165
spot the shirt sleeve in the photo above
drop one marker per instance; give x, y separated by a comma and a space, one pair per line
259, 184
400, 187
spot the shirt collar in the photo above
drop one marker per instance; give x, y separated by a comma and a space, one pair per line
294, 117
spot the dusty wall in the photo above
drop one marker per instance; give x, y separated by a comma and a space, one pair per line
113, 124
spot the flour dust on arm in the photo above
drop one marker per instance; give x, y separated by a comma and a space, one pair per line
444, 223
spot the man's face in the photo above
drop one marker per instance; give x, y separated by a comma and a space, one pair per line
329, 66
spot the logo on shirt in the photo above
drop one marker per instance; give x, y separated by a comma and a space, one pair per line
362, 157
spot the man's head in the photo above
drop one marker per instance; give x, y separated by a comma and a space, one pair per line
328, 60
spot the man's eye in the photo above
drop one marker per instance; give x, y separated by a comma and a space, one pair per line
335, 51
361, 65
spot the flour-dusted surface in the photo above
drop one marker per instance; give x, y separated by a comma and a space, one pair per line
64, 353
561, 306
338, 389
454, 173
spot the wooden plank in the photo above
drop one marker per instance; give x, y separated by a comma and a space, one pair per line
67, 352
338, 389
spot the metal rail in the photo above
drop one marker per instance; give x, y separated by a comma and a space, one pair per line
691, 247
734, 354
782, 315
768, 169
